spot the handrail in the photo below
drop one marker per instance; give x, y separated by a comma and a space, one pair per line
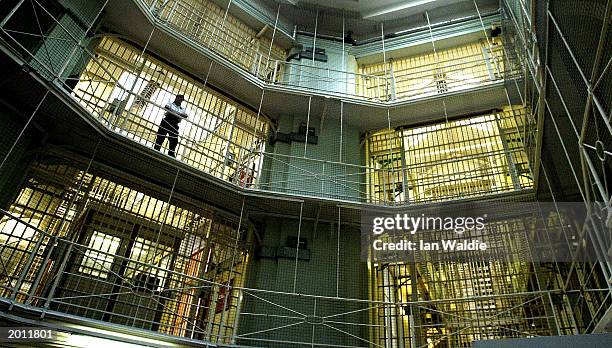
241, 52
207, 149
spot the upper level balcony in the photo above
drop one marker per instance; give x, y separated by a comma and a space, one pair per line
409, 73
306, 152
405, 78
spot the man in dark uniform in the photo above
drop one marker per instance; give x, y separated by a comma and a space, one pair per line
169, 125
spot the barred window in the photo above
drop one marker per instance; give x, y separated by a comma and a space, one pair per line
98, 259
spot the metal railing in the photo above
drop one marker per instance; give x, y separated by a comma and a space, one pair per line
155, 288
51, 271
475, 70
57, 276
566, 91
203, 143
202, 27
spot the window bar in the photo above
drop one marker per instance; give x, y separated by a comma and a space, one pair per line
136, 74
54, 242
229, 285
39, 242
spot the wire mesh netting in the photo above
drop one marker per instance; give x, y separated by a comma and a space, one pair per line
83, 239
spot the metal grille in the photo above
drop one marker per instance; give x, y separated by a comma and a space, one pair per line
454, 69
121, 256
406, 78
458, 159
104, 246
210, 26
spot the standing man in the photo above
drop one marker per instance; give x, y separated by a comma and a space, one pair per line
169, 125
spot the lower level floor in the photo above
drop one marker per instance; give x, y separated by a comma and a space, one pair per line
80, 241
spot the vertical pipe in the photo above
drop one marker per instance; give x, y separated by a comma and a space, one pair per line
391, 142
61, 226
392, 79
384, 185
391, 134
314, 48
437, 68
10, 14
382, 36
80, 42
541, 111
57, 279
267, 64
314, 39
163, 223
216, 29
487, 38
404, 166
227, 146
522, 138
314, 314
272, 40
322, 177
511, 166
276, 65
237, 316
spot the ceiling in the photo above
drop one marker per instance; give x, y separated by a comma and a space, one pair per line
380, 10
364, 17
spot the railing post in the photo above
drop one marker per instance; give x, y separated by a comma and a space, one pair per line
58, 276
322, 177
237, 316
275, 70
26, 268
391, 80
384, 186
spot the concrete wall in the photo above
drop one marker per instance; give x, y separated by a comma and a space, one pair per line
326, 76
316, 276
316, 175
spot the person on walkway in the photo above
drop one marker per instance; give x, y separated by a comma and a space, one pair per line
169, 125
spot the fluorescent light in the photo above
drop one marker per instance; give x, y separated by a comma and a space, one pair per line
395, 8
116, 339
89, 341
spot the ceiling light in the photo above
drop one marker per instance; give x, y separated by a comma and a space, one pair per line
395, 8
89, 341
